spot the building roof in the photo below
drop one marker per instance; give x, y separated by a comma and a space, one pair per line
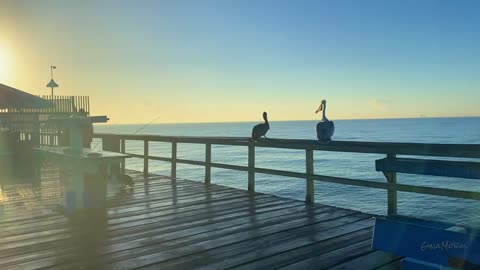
12, 98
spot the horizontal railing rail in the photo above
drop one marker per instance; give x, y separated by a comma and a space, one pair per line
414, 149
117, 142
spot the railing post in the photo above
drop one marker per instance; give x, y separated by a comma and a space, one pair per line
208, 160
392, 190
58, 135
145, 158
251, 167
52, 143
36, 137
173, 173
112, 144
310, 196
122, 149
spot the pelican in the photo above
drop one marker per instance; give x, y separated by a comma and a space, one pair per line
122, 179
125, 180
325, 127
261, 129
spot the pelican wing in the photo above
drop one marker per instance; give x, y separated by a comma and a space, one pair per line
331, 128
325, 130
259, 130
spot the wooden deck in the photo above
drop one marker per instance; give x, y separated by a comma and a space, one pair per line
182, 224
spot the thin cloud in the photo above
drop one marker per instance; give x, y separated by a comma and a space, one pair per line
380, 104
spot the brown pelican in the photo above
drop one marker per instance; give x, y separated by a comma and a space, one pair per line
121, 179
261, 129
125, 180
325, 127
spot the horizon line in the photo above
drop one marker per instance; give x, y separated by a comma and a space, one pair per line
298, 120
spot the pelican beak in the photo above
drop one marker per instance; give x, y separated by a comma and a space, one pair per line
319, 108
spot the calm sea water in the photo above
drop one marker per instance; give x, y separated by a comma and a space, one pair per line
351, 165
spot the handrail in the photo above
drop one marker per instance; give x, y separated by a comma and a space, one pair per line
414, 149
58, 104
116, 142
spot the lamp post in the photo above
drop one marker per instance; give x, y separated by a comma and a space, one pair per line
52, 84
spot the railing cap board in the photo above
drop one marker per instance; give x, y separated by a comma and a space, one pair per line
418, 149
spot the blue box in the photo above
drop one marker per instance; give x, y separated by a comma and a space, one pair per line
412, 264
428, 241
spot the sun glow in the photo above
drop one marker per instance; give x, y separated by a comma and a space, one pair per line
3, 64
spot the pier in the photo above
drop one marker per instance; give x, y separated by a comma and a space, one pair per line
170, 223
182, 224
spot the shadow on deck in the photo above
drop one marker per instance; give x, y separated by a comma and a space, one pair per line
164, 224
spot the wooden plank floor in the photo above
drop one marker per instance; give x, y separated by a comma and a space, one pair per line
165, 224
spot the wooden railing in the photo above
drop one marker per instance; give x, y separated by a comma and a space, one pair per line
116, 142
29, 123
58, 104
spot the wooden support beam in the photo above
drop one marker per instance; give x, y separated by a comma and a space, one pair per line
145, 158
112, 144
310, 192
392, 189
208, 161
251, 167
122, 149
173, 173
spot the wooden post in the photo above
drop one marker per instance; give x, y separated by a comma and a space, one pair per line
310, 196
208, 160
52, 139
36, 133
251, 167
173, 173
58, 135
145, 158
112, 144
392, 190
122, 149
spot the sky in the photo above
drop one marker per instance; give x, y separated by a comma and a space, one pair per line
228, 61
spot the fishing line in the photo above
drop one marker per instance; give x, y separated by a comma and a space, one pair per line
136, 131
146, 125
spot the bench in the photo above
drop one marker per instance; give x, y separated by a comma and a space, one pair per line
460, 169
426, 244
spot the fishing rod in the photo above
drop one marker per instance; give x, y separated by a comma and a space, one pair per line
136, 131
146, 125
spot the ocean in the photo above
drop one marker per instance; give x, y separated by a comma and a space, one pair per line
352, 165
